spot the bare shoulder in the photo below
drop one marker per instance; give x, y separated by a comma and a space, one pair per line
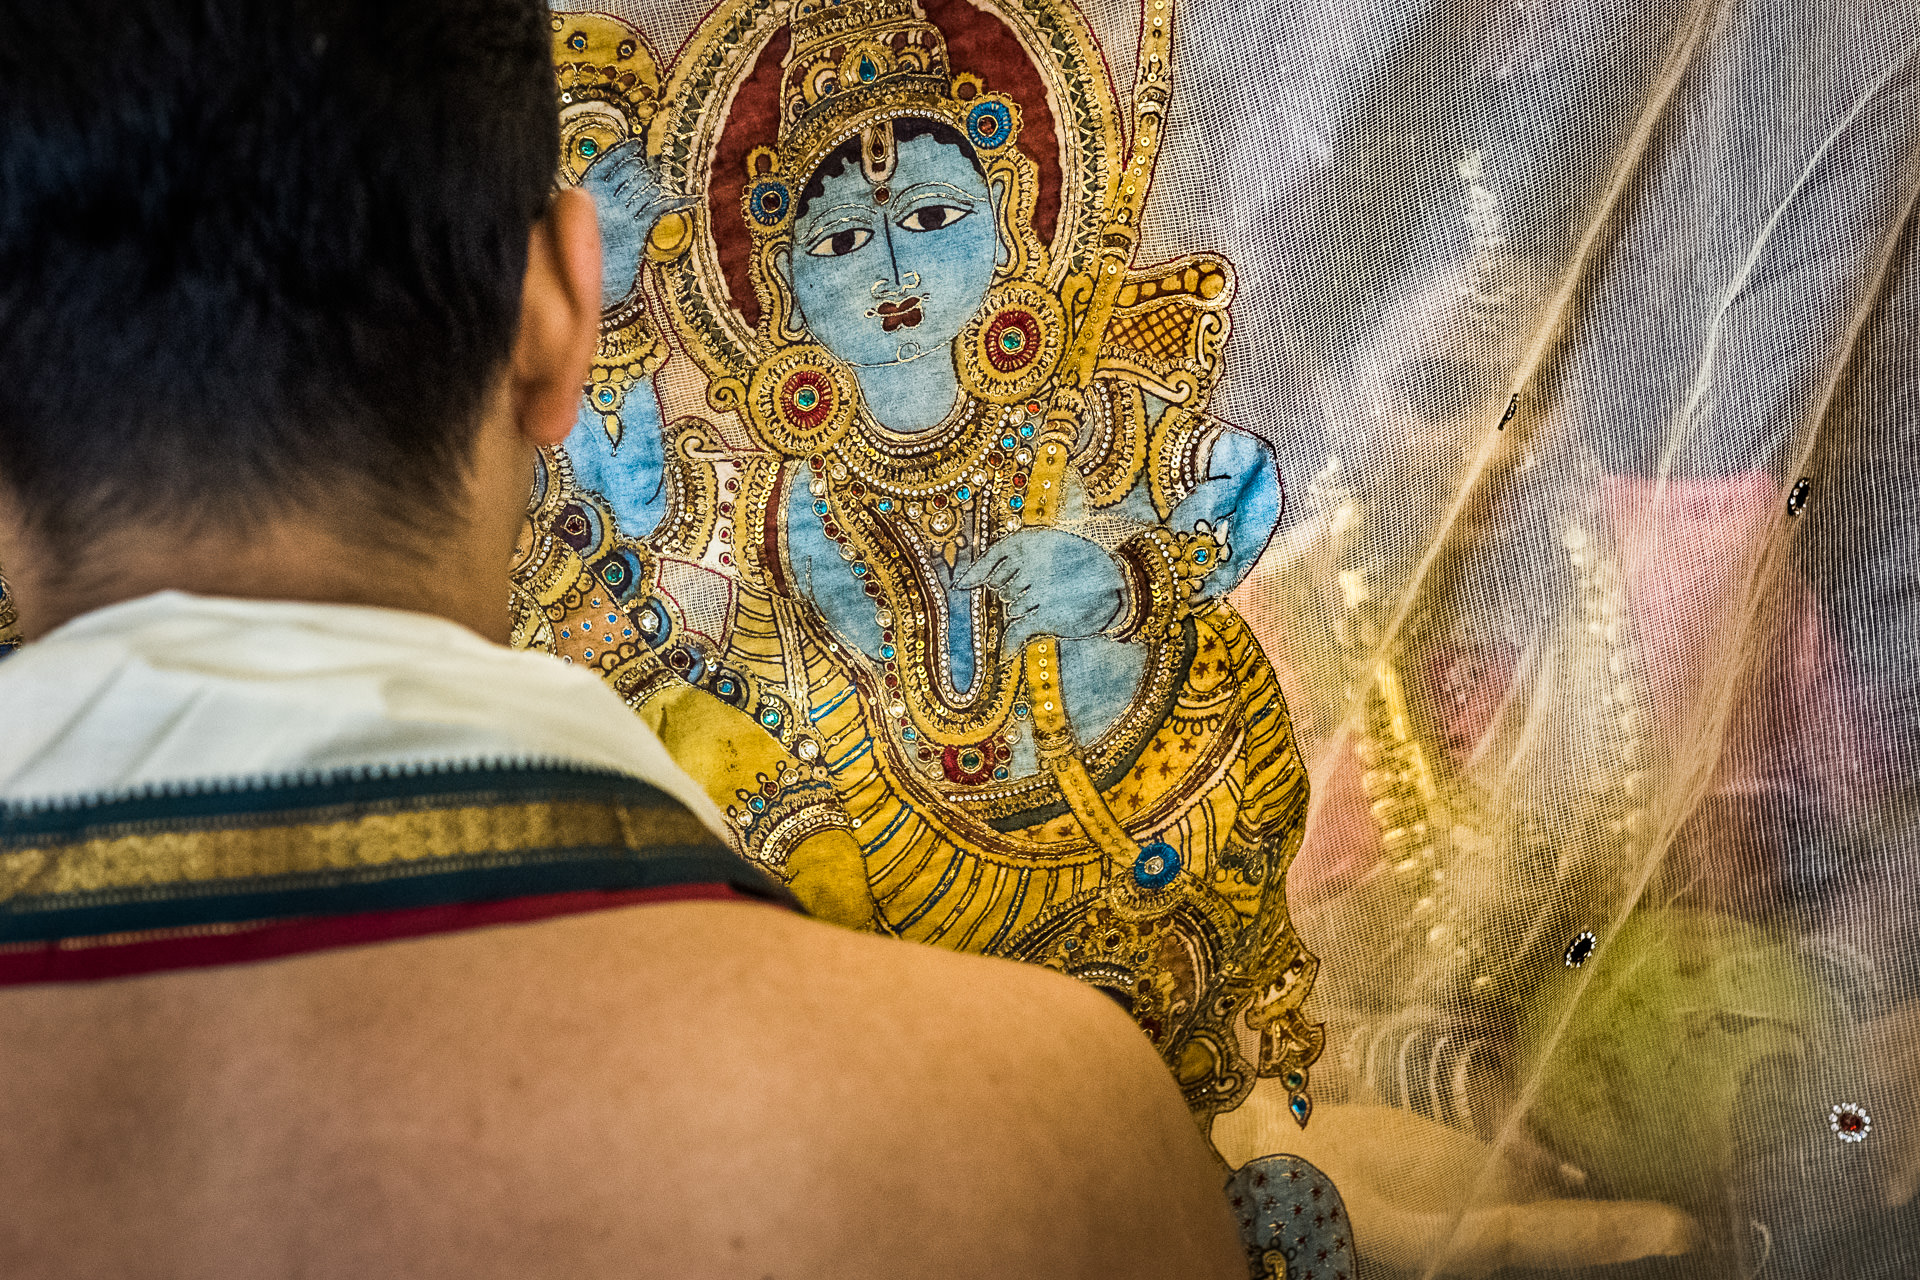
685, 1090
906, 1110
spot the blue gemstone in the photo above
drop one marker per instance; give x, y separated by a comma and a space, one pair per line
989, 123
820, 507
1156, 866
1006, 442
769, 204
963, 493
566, 635
589, 653
726, 686
756, 804
886, 504
1000, 774
627, 632
1199, 555
770, 718
1302, 1107
886, 651
1026, 429
909, 735
859, 571
1015, 502
606, 395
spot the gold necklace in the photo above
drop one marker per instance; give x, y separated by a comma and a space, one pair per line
895, 525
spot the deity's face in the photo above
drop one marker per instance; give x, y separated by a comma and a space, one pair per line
889, 273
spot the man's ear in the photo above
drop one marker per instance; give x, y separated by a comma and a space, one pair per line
559, 318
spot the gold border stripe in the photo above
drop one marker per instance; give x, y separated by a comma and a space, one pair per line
364, 842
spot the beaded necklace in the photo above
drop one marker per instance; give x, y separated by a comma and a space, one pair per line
900, 513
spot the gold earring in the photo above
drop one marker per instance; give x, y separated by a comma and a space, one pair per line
1012, 346
801, 400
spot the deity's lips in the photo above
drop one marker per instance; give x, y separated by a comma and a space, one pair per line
902, 314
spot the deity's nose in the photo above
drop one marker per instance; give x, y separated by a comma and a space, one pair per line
895, 281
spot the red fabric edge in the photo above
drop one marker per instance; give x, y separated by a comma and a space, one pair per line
90, 959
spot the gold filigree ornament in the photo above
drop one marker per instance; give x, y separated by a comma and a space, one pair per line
609, 87
802, 400
1012, 346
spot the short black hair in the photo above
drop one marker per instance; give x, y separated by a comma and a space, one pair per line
904, 131
260, 254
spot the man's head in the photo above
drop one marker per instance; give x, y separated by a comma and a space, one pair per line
261, 261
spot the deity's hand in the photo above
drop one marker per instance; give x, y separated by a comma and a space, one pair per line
629, 198
1053, 583
1423, 1197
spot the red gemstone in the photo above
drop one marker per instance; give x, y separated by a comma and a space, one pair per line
1850, 1122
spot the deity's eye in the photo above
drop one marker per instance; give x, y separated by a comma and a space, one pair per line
840, 243
932, 217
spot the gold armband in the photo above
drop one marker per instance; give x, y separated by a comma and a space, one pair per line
1164, 570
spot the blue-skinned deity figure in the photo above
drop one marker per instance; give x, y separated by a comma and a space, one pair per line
945, 515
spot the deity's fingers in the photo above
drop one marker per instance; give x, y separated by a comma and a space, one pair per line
1012, 586
1010, 577
982, 569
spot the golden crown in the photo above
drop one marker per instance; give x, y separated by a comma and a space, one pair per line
853, 68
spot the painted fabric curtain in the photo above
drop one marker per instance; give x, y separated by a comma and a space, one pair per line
1382, 534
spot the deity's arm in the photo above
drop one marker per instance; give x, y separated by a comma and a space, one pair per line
1237, 501
616, 444
629, 471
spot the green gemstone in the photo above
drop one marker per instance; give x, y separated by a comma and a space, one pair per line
589, 148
